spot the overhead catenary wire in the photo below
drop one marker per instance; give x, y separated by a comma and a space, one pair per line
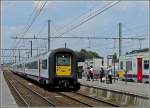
76, 18
81, 17
69, 31
29, 25
34, 11
29, 18
100, 11
43, 27
33, 20
37, 14
81, 37
72, 21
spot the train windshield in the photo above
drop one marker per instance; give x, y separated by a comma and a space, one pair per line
63, 60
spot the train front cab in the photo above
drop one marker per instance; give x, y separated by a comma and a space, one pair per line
64, 69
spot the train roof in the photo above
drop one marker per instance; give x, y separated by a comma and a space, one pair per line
137, 53
45, 55
145, 50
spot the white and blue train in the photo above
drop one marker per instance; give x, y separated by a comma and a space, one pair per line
56, 68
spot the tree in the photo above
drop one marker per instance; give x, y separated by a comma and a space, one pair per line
84, 54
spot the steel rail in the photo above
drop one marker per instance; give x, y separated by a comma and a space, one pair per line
50, 103
115, 105
16, 90
74, 99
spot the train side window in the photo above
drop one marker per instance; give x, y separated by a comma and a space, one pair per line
44, 64
128, 65
34, 65
19, 66
27, 65
121, 64
146, 64
91, 63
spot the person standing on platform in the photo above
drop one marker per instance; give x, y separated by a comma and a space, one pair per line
88, 73
102, 74
110, 75
91, 73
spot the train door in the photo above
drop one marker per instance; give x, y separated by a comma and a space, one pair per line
139, 70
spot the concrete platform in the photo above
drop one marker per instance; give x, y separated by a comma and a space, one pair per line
139, 89
6, 98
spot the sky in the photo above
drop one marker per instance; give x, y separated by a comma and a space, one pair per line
64, 15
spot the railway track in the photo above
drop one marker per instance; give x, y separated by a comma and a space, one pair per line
87, 100
57, 99
27, 95
63, 99
18, 97
70, 97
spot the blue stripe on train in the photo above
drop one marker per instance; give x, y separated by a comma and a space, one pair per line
36, 76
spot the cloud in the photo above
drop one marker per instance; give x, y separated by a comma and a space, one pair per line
38, 4
125, 5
